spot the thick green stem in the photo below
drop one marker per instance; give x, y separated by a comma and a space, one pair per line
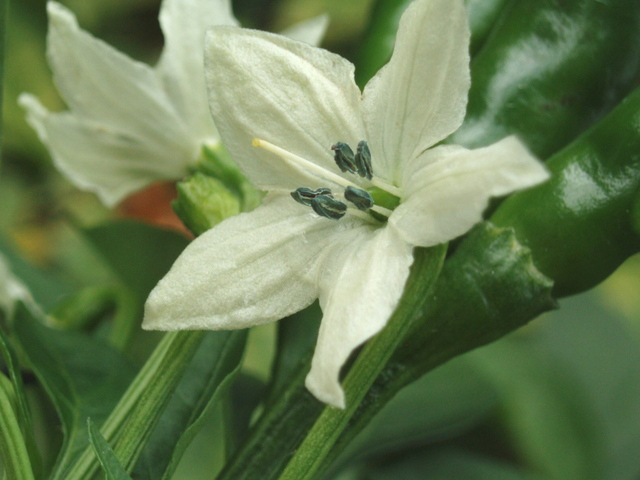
13, 451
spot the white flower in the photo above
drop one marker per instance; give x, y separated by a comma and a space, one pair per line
130, 124
295, 101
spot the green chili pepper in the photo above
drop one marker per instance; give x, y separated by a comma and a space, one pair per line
550, 69
579, 223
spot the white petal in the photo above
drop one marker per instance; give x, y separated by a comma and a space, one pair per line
96, 157
420, 96
360, 288
101, 84
309, 31
448, 187
184, 23
253, 268
298, 97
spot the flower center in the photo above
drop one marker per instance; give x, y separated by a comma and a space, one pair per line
374, 203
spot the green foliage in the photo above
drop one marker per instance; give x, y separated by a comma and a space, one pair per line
112, 468
203, 384
139, 254
83, 377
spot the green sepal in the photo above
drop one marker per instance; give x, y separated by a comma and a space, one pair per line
203, 202
216, 162
110, 464
578, 224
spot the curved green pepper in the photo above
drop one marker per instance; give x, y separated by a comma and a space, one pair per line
579, 223
549, 70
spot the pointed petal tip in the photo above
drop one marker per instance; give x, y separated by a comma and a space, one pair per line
326, 390
59, 14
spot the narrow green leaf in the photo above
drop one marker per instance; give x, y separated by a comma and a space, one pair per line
13, 451
205, 382
82, 376
108, 460
23, 413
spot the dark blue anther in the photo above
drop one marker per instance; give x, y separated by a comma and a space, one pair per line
360, 198
344, 157
328, 207
362, 160
305, 195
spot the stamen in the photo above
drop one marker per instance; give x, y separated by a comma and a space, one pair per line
363, 160
306, 164
392, 189
360, 198
305, 195
344, 157
328, 207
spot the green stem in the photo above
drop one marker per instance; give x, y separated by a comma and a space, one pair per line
155, 397
310, 456
13, 451
158, 376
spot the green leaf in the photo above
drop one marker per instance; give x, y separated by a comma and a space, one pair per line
444, 403
205, 382
297, 335
571, 393
82, 376
139, 254
46, 287
444, 464
108, 460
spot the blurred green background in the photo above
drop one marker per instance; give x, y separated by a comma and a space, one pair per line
559, 399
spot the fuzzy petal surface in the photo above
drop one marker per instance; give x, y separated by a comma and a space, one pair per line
420, 96
448, 187
251, 269
361, 285
96, 157
291, 94
101, 84
181, 66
